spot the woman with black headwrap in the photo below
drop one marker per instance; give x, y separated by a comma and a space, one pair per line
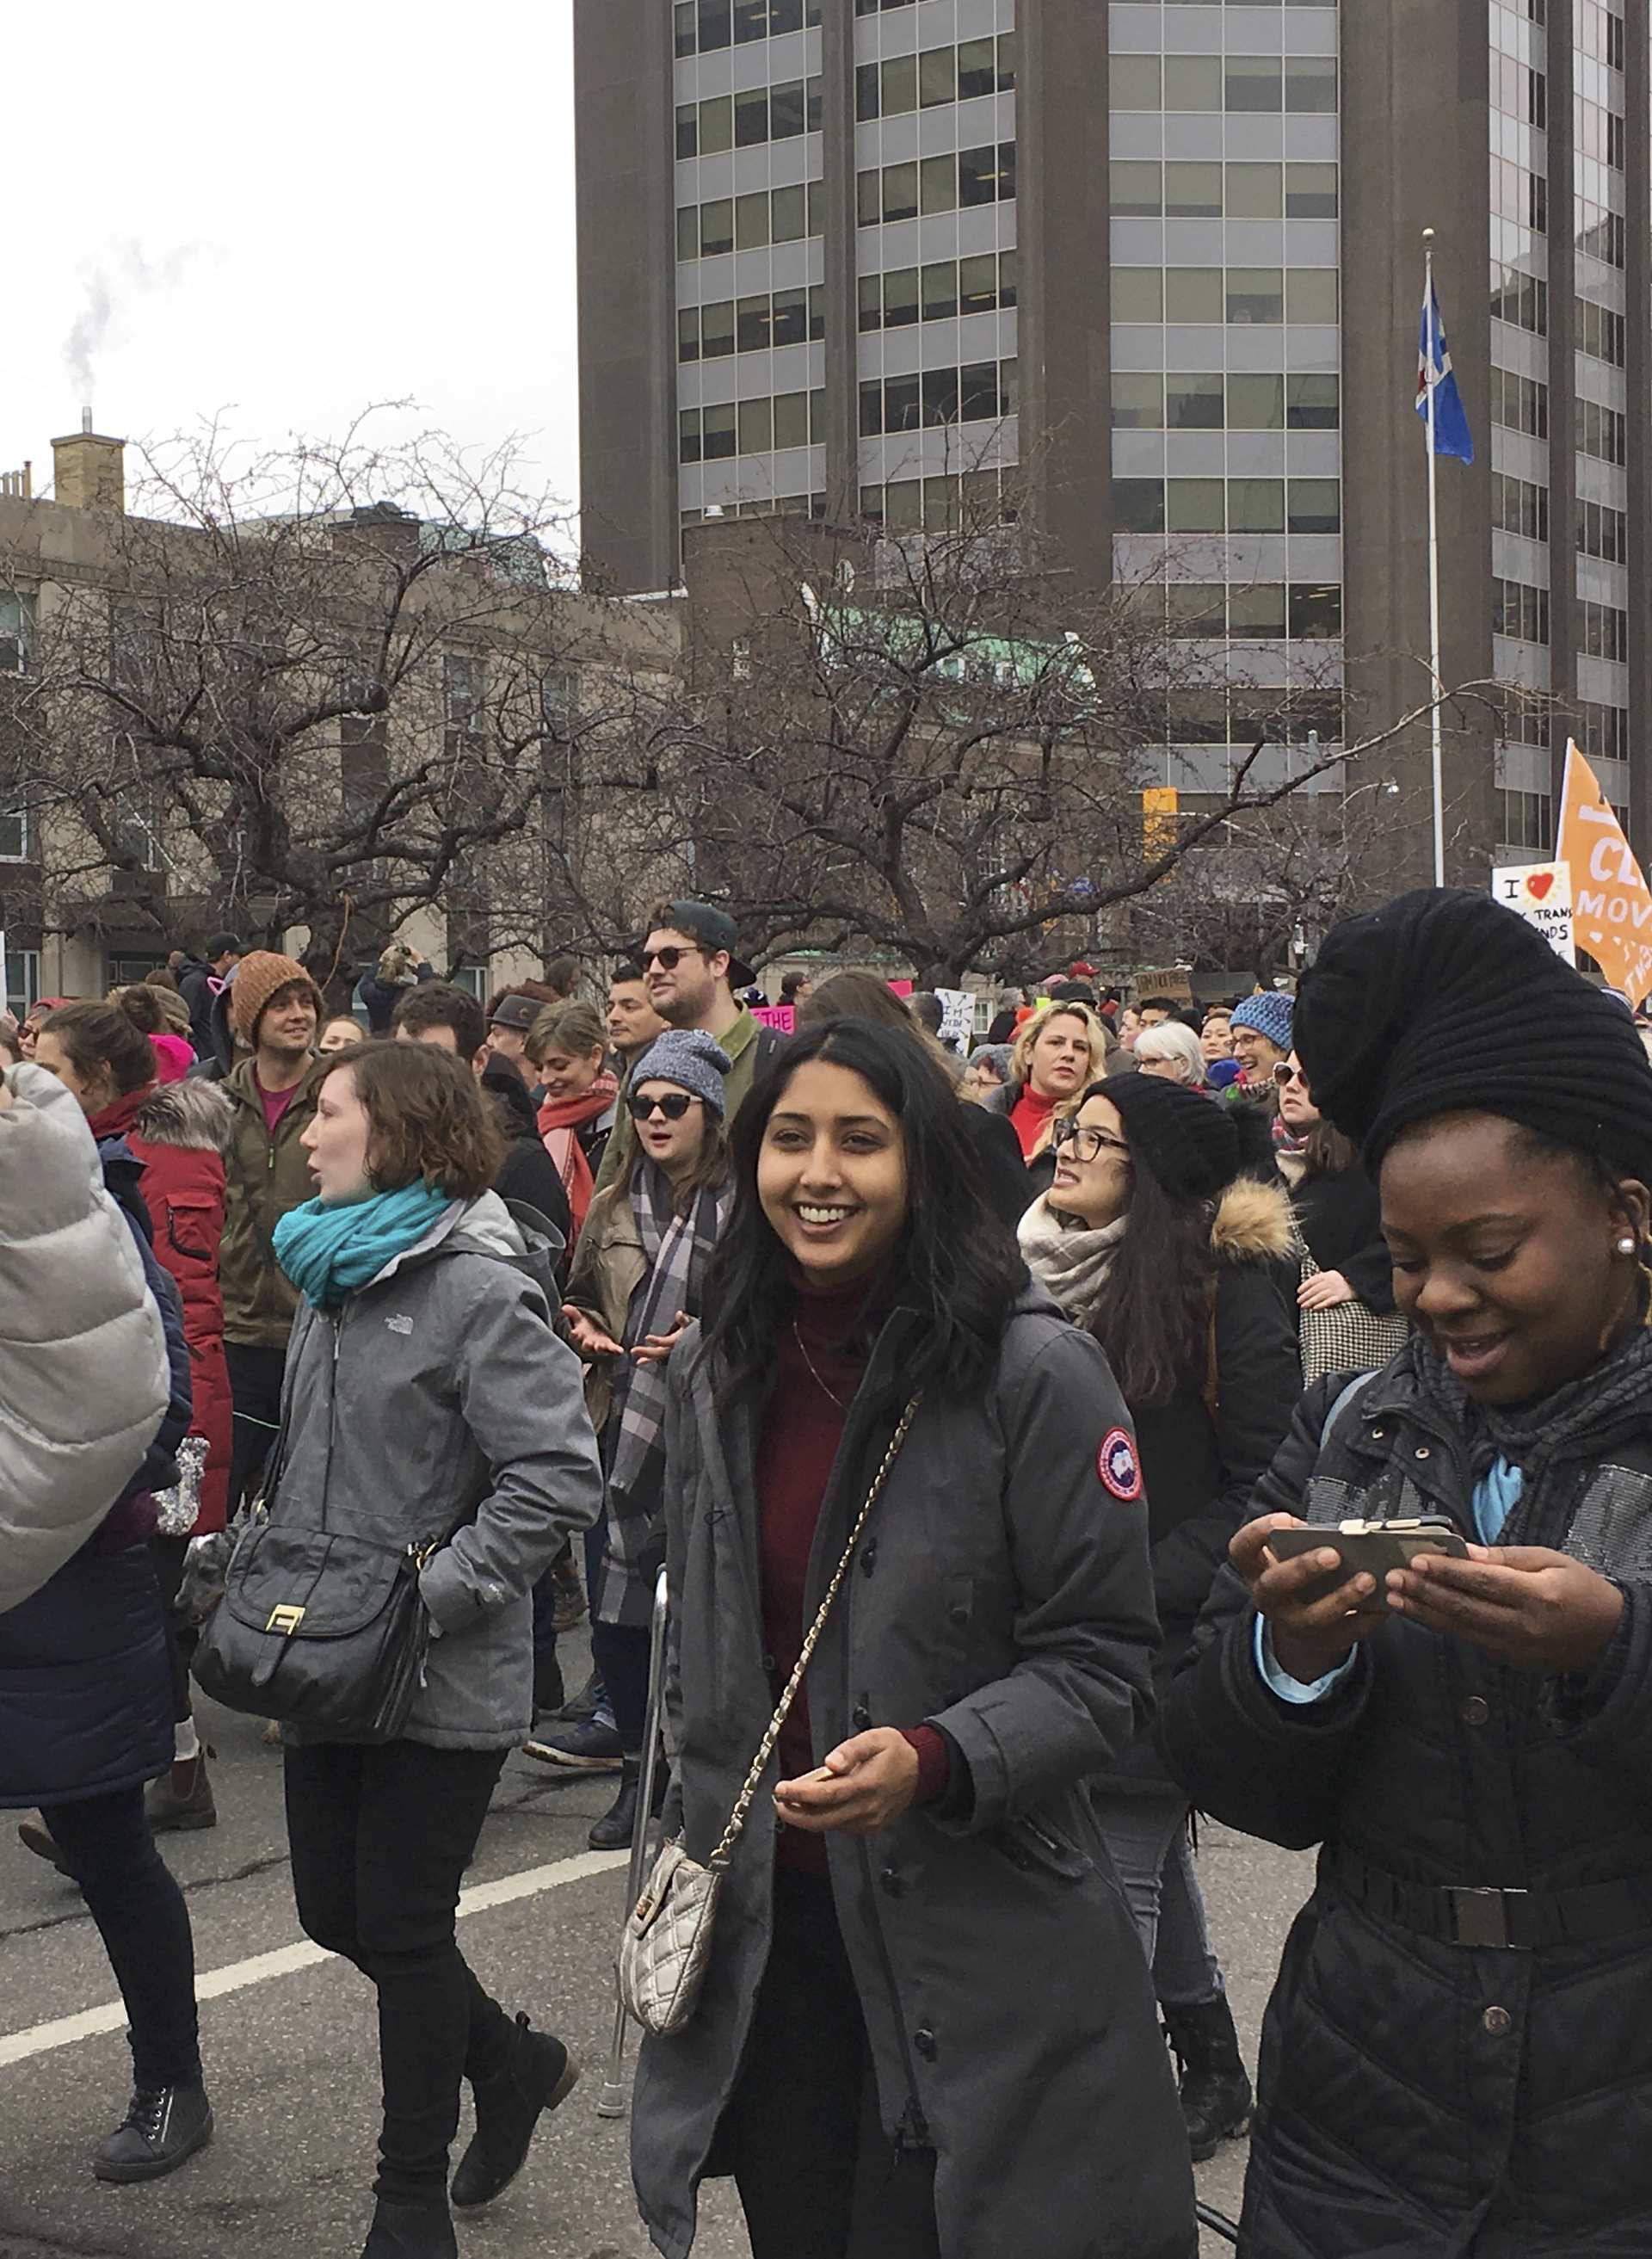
1457, 2058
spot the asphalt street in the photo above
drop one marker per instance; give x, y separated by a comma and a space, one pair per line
290, 2040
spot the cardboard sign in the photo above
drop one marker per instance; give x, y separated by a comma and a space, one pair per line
781, 1018
1174, 982
1541, 893
1613, 911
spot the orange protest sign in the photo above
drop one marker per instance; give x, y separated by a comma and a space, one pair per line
1611, 908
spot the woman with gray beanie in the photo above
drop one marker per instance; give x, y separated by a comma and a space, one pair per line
635, 1284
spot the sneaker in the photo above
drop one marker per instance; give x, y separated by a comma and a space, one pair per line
164, 2125
182, 1798
593, 1747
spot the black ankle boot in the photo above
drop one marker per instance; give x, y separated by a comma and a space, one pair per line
537, 2074
165, 2125
1215, 2092
411, 2231
613, 1832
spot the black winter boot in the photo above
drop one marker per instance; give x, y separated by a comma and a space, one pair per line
1215, 2092
411, 2231
165, 2125
614, 1831
537, 2074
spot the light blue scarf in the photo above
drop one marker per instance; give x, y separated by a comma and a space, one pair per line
329, 1248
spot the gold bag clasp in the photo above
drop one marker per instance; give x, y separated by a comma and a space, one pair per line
285, 1621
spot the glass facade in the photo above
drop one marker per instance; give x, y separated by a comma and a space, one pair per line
935, 259
749, 254
1226, 367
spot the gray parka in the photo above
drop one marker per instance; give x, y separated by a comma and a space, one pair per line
1004, 1593
439, 1397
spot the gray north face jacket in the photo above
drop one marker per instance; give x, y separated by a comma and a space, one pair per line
83, 1374
439, 1399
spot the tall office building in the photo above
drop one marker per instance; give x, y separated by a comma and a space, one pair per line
1152, 272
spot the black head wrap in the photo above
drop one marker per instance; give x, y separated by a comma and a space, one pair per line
1445, 1002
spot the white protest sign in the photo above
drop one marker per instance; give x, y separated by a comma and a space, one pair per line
958, 1018
1541, 893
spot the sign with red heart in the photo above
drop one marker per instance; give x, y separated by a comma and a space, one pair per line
1541, 893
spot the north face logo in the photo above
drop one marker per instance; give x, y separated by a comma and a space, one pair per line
399, 1324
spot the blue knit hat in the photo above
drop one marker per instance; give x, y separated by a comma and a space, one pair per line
694, 1060
1269, 1013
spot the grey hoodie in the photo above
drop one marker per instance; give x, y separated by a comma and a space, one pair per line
440, 1398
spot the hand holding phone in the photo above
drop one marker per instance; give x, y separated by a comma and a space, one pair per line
1370, 1548
1316, 1612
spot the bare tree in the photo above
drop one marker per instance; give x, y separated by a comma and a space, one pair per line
928, 748
321, 689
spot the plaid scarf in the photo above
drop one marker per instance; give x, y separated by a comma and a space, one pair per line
677, 1248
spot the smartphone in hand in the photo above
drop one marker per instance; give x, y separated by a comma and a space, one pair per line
1371, 1548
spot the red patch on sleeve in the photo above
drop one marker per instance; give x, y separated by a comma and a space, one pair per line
1118, 1466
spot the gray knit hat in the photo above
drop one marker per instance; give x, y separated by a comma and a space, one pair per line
693, 1060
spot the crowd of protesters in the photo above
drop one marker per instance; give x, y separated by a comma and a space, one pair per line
971, 1394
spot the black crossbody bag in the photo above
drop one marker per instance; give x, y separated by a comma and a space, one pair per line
325, 1632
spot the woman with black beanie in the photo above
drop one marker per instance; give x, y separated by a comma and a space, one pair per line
1456, 2059
1184, 1271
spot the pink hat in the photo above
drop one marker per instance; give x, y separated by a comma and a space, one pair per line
174, 1057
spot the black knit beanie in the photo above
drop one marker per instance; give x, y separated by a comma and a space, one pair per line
1183, 1138
1445, 1002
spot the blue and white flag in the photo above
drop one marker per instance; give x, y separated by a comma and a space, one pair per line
1435, 373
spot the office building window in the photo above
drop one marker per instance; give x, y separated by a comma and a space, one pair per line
1603, 632
1601, 233
749, 223
979, 392
939, 184
1519, 507
1527, 819
1599, 33
1601, 333
1200, 400
1519, 611
704, 26
746, 120
1603, 532
17, 632
16, 846
1213, 505
755, 324
1520, 300
937, 293
1604, 729
936, 76
1519, 403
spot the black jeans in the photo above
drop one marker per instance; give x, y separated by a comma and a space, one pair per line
818, 2177
380, 1840
144, 1926
621, 1654
182, 1639
255, 1387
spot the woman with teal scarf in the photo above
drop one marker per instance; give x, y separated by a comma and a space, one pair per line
428, 1404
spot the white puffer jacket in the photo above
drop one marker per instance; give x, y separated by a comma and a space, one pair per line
83, 1380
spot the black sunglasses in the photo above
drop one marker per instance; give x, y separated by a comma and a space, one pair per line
669, 959
674, 1105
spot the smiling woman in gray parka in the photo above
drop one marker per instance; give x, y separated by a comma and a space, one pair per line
927, 2029
427, 1395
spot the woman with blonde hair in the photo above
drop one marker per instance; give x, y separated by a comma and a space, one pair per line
1058, 1054
567, 1048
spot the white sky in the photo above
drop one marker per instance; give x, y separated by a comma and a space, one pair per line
296, 212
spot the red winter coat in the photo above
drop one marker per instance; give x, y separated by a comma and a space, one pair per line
179, 1133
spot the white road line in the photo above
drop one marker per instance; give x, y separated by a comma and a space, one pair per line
287, 1960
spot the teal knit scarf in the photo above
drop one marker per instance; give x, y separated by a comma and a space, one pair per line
329, 1248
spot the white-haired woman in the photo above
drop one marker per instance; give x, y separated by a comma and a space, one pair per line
1172, 1051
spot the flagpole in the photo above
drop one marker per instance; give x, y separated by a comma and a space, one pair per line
1433, 566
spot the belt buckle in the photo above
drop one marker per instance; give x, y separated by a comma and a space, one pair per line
1480, 1917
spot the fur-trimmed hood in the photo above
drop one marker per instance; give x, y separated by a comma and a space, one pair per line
1253, 1223
194, 1116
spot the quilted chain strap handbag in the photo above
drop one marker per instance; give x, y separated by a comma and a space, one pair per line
666, 1942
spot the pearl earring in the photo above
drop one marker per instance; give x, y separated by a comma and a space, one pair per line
1626, 1245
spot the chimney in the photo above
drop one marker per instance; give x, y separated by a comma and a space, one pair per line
90, 471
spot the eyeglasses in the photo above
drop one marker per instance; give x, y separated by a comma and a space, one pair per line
669, 959
674, 1105
1284, 1074
1089, 1145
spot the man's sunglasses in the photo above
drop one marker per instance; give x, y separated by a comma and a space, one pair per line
669, 959
674, 1105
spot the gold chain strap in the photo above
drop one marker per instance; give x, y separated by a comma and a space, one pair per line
736, 1828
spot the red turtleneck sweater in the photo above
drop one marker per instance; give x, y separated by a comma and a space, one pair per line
802, 1428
